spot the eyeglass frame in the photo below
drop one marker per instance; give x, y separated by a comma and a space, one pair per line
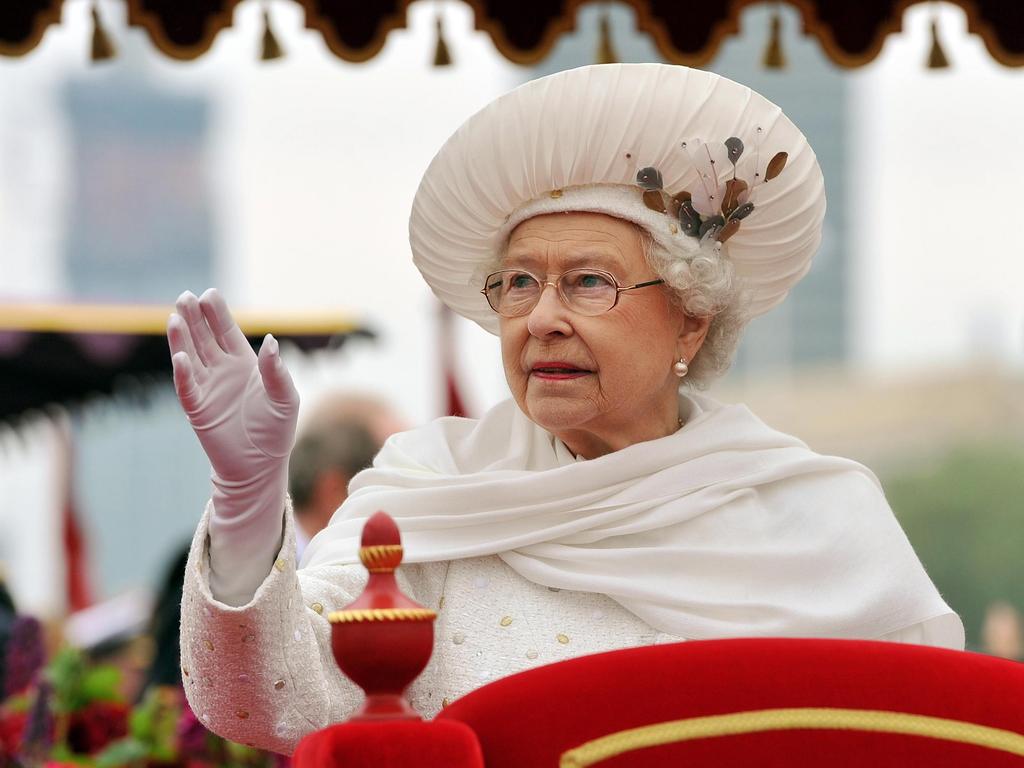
556, 284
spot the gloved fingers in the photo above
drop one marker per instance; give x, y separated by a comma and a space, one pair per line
180, 340
206, 346
185, 384
276, 379
225, 330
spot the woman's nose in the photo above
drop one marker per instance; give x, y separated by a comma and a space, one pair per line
550, 315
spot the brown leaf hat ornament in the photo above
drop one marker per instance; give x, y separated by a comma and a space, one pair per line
697, 160
718, 203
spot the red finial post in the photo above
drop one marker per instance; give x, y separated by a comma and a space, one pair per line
382, 640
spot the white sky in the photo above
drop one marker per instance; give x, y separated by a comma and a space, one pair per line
938, 157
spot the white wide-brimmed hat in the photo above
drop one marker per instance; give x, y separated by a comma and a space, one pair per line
697, 160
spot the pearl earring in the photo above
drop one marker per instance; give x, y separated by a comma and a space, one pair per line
681, 368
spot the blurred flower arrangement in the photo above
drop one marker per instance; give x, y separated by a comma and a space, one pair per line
69, 712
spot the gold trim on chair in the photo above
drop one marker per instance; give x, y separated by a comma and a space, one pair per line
878, 721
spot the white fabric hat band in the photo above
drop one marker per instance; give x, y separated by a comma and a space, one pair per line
618, 200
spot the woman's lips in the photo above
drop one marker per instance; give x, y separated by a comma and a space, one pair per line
554, 371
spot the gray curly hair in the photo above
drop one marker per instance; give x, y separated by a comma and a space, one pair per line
703, 284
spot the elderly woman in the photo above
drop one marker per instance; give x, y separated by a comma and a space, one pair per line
615, 226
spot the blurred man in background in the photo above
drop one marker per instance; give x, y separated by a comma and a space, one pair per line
341, 436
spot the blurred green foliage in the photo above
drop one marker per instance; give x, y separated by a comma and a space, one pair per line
76, 682
152, 733
964, 514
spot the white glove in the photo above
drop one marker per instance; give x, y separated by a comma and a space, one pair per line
243, 409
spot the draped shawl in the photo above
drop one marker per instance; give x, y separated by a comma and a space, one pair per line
725, 528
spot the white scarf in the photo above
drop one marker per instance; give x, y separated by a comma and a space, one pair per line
725, 528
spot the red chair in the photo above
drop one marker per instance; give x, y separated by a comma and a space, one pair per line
755, 702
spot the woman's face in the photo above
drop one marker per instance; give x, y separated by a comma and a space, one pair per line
616, 385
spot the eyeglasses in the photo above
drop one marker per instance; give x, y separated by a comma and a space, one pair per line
515, 292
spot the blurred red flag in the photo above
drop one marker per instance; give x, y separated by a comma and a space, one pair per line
79, 592
454, 404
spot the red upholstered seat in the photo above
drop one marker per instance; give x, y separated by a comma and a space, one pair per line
390, 744
755, 702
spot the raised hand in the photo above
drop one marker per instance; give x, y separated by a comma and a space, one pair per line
243, 407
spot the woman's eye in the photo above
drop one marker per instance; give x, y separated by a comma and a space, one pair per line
521, 282
591, 280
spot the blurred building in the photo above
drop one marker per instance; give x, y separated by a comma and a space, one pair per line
138, 155
139, 224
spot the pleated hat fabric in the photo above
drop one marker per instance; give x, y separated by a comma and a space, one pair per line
597, 125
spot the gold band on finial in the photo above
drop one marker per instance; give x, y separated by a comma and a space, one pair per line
381, 558
381, 614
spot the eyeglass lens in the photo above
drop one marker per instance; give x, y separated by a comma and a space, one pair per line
513, 292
